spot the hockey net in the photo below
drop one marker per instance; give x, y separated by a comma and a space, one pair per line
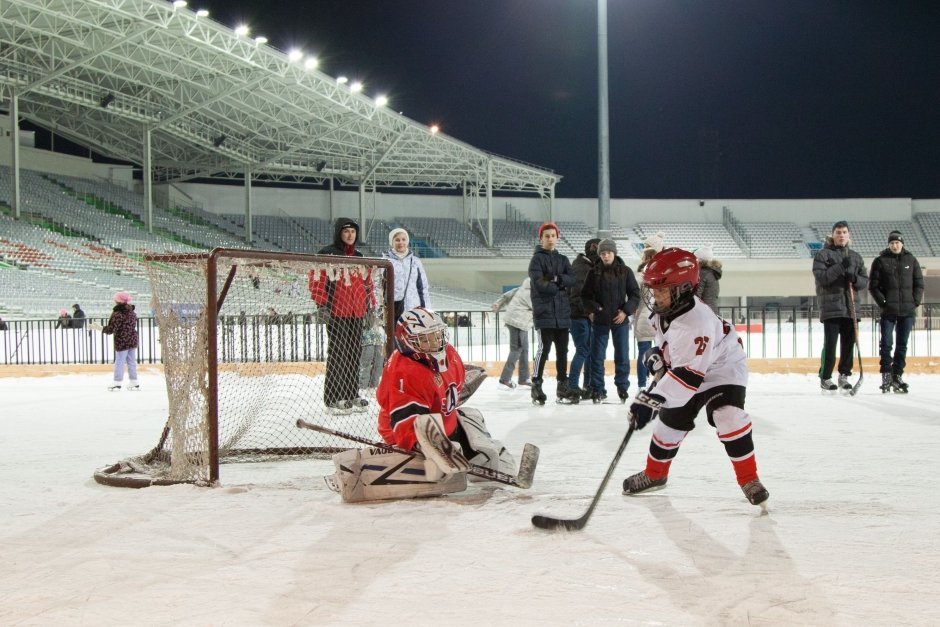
250, 342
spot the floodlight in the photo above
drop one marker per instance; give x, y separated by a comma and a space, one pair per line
218, 141
107, 100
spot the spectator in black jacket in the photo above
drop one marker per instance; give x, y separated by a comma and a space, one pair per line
78, 317
550, 273
897, 285
838, 270
611, 295
581, 332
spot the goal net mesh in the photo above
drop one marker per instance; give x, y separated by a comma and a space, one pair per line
251, 341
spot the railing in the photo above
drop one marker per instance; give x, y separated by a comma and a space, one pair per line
479, 336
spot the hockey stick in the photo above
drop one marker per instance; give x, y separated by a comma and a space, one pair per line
523, 479
861, 372
568, 524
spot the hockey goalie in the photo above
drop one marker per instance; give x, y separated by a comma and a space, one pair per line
420, 400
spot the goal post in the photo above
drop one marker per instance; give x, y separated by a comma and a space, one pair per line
253, 340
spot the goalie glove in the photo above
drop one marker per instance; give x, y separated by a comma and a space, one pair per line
644, 409
655, 362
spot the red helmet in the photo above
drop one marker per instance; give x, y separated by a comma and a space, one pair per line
421, 334
673, 268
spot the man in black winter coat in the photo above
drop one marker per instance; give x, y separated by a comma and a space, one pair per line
581, 331
897, 285
840, 273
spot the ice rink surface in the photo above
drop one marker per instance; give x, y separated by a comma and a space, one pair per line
852, 536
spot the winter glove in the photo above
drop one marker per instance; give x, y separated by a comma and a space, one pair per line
645, 408
655, 362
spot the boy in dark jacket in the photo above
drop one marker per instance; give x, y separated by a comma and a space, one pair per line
611, 295
581, 332
839, 273
897, 285
123, 326
550, 273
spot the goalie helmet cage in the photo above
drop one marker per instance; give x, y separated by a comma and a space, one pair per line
251, 341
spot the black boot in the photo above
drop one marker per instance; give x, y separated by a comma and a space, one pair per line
899, 384
886, 382
623, 394
566, 394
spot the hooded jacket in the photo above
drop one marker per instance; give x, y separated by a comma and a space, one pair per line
582, 266
123, 325
709, 275
896, 283
518, 304
348, 294
550, 273
834, 268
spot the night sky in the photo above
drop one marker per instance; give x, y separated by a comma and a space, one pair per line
708, 98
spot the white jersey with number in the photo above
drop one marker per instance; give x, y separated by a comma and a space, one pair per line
701, 351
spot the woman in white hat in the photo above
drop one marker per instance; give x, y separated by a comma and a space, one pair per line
411, 282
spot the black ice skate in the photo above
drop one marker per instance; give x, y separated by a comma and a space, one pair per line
538, 396
755, 492
899, 385
566, 395
598, 397
586, 392
887, 383
624, 394
640, 482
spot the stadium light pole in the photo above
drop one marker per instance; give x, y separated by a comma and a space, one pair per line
603, 126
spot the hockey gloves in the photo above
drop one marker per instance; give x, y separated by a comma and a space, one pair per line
655, 362
644, 409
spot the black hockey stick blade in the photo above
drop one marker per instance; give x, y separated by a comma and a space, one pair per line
855, 387
550, 522
530, 457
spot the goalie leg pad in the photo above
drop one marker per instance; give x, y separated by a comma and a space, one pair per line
429, 431
487, 451
374, 475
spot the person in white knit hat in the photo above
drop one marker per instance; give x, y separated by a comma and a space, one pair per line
654, 241
709, 276
411, 281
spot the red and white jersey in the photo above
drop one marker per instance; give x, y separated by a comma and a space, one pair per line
701, 351
409, 388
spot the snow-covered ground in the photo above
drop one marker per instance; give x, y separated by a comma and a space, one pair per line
851, 537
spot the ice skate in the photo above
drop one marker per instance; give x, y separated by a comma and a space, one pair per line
586, 392
114, 387
756, 493
598, 396
133, 386
508, 385
339, 407
624, 394
887, 383
359, 404
640, 482
827, 385
844, 384
899, 385
538, 396
565, 395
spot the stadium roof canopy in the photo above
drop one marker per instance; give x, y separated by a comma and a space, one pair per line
105, 72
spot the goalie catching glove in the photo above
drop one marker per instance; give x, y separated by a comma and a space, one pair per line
644, 409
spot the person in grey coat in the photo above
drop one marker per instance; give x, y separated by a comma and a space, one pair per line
840, 274
709, 274
518, 320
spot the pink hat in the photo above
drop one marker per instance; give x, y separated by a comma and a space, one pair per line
63, 312
122, 298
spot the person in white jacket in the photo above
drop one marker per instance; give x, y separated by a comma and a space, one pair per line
518, 320
411, 281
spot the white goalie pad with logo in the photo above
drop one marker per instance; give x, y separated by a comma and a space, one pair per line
374, 475
487, 451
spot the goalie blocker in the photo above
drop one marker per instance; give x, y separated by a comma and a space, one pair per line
372, 474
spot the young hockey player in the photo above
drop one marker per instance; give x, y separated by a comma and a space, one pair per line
419, 395
699, 363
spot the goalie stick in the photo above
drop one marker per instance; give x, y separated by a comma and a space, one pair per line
522, 479
861, 372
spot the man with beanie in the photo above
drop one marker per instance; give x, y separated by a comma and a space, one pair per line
709, 274
839, 273
344, 297
896, 282
551, 275
581, 333
610, 295
411, 281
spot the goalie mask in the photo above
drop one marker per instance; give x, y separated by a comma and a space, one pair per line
422, 335
675, 269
